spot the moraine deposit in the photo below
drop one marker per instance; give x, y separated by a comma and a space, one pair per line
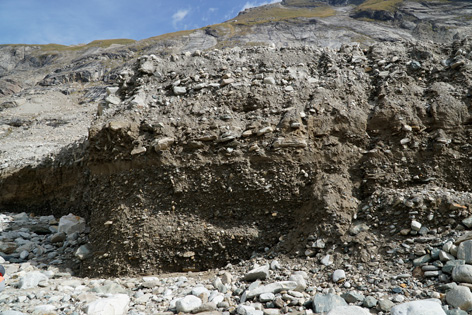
244, 180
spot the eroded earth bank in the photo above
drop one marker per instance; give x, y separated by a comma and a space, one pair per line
200, 159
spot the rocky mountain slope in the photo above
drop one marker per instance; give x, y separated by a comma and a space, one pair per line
263, 134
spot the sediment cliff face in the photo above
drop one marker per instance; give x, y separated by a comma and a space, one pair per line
190, 160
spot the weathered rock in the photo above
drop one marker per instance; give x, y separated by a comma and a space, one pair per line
423, 307
260, 273
459, 297
71, 223
385, 305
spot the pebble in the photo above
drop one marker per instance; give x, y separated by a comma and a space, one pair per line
339, 275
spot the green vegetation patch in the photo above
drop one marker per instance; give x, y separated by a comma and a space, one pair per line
380, 5
279, 13
303, 3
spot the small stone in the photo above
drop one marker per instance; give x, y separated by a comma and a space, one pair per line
449, 265
415, 225
467, 222
422, 260
424, 307
58, 237
179, 90
444, 257
218, 284
84, 252
271, 311
385, 305
464, 251
248, 310
265, 130
327, 260
370, 302
353, 297
71, 223
459, 297
226, 278
269, 80
188, 304
163, 144
327, 302
257, 273
462, 273
339, 275
348, 310
266, 297
300, 280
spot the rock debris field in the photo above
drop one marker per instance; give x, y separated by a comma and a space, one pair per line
428, 273
249, 181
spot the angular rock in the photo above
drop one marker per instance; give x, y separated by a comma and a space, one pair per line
422, 307
260, 273
327, 302
71, 223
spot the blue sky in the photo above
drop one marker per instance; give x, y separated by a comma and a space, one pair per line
70, 22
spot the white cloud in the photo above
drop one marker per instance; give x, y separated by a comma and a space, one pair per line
211, 10
179, 16
250, 4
